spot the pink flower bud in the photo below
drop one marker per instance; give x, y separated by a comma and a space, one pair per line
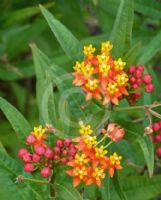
22, 151
137, 73
56, 150
132, 69
26, 157
28, 167
63, 161
59, 143
149, 87
35, 157
56, 157
64, 152
40, 150
31, 139
72, 152
158, 138
48, 153
147, 78
141, 68
158, 151
156, 126
67, 142
45, 172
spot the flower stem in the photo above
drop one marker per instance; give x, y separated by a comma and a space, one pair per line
108, 144
35, 181
102, 139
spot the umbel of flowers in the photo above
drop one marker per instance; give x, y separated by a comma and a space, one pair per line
85, 158
104, 78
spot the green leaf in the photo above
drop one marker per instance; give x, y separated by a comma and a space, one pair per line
67, 192
147, 149
122, 29
151, 49
66, 39
17, 120
141, 187
118, 187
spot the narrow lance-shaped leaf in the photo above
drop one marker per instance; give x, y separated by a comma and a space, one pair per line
122, 29
67, 40
17, 120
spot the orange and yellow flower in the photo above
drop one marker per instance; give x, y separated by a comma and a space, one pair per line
100, 76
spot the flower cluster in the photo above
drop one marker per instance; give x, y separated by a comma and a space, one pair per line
157, 137
43, 156
91, 161
101, 76
138, 81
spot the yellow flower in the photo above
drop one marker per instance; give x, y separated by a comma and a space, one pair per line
98, 174
38, 132
119, 64
106, 47
90, 141
89, 50
78, 66
85, 130
112, 88
80, 172
100, 152
122, 79
92, 84
87, 70
80, 159
115, 159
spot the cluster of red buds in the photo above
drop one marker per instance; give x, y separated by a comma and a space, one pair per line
157, 137
138, 81
43, 156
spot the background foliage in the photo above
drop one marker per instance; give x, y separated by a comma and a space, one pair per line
37, 51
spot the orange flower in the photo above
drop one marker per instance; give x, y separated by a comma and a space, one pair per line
114, 132
100, 76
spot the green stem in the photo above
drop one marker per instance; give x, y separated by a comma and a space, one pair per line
103, 138
35, 181
129, 108
108, 144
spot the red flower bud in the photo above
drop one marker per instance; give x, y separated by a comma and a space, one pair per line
31, 139
22, 151
158, 151
35, 157
149, 87
63, 161
56, 157
59, 143
26, 157
156, 126
28, 167
137, 73
48, 153
45, 172
72, 152
64, 152
147, 78
40, 150
158, 138
67, 142
141, 68
56, 150
132, 69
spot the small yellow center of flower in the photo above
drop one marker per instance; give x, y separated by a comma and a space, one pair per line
81, 172
89, 50
122, 79
103, 58
80, 159
100, 152
78, 66
87, 70
115, 159
98, 174
85, 130
119, 64
92, 84
112, 88
38, 132
90, 141
106, 47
